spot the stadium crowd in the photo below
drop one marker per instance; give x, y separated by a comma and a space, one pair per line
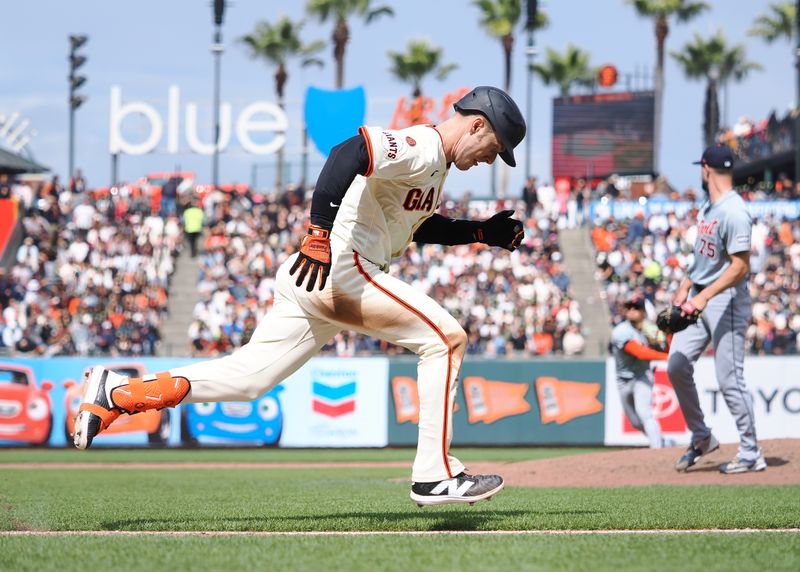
651, 255
509, 303
91, 276
754, 140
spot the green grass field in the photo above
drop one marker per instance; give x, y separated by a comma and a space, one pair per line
275, 499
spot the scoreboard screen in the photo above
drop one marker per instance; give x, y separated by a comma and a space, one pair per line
602, 134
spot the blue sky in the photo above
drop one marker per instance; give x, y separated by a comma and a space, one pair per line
146, 46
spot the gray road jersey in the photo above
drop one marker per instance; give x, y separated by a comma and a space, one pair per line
723, 228
628, 367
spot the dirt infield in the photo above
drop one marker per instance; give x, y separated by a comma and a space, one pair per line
608, 469
642, 467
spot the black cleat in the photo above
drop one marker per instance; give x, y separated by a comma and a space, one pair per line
95, 413
462, 488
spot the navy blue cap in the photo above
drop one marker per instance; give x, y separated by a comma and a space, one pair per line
717, 157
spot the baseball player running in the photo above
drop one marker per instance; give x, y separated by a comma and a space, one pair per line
632, 355
719, 311
377, 192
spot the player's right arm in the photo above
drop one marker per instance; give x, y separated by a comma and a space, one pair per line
348, 159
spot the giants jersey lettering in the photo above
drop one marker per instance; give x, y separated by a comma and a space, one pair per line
403, 186
723, 228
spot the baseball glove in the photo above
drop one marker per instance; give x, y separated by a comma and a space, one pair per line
677, 318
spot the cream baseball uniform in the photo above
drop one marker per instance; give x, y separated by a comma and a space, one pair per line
376, 221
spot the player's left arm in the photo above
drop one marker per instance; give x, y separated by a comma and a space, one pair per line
499, 230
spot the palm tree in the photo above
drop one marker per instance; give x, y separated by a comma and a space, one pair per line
340, 10
276, 44
660, 11
777, 24
499, 18
566, 70
421, 59
714, 61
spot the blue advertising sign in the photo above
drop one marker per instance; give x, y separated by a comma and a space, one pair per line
333, 116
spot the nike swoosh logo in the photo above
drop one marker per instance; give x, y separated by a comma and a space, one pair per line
335, 206
434, 173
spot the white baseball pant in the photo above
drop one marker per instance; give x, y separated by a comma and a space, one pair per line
361, 297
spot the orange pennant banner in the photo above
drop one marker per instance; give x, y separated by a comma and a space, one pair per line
406, 399
562, 401
489, 401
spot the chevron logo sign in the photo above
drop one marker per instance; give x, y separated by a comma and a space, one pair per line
333, 401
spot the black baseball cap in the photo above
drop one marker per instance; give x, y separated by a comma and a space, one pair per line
501, 111
635, 301
717, 157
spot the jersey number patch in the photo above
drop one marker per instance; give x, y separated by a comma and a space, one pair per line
707, 248
415, 202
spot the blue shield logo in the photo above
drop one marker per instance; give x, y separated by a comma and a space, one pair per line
333, 116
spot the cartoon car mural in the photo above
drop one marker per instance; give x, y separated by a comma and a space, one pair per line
26, 413
156, 424
234, 422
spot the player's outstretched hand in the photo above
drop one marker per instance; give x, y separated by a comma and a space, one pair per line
314, 259
501, 230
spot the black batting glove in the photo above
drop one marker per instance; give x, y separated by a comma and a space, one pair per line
501, 230
314, 259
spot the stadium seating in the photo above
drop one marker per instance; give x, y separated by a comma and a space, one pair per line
509, 304
91, 276
651, 254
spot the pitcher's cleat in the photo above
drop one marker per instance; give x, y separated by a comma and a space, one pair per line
740, 466
96, 412
695, 451
462, 488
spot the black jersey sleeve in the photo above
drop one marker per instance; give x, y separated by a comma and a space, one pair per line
439, 229
347, 159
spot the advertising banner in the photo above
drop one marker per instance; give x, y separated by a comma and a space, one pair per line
39, 399
603, 209
776, 403
335, 402
509, 402
327, 403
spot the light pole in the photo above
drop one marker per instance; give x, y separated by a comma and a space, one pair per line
76, 60
217, 49
797, 95
530, 52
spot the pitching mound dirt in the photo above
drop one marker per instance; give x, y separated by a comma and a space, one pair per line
642, 467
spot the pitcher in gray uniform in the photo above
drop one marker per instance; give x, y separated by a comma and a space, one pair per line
717, 285
632, 354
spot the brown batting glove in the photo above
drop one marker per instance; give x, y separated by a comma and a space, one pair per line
315, 256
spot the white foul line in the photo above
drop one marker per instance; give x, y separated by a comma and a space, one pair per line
206, 533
